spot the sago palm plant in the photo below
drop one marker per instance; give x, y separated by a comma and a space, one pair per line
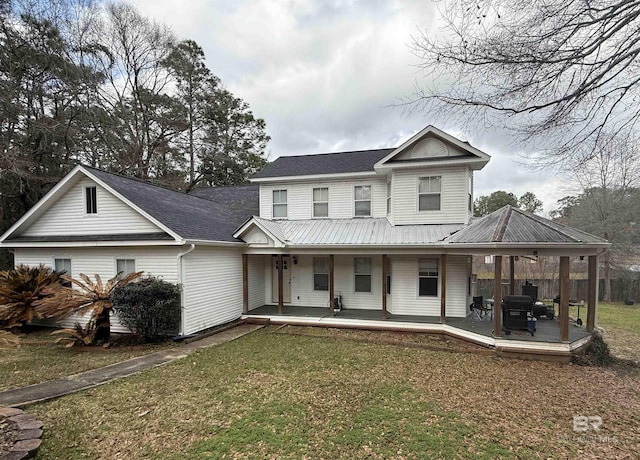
21, 289
83, 297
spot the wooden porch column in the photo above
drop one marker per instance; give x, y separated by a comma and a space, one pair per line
592, 296
443, 288
280, 283
331, 285
564, 299
245, 283
512, 275
384, 286
497, 297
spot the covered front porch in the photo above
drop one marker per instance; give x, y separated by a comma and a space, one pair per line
545, 344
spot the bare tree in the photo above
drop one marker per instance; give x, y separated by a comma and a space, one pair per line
559, 73
609, 204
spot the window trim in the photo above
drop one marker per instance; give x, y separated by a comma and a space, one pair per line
126, 259
279, 203
438, 288
361, 201
388, 197
428, 193
313, 269
68, 273
356, 274
314, 202
90, 200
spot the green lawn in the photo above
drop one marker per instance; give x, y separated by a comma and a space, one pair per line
622, 326
316, 393
38, 359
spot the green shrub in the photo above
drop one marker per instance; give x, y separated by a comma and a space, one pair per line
150, 308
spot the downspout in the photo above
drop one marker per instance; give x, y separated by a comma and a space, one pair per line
180, 255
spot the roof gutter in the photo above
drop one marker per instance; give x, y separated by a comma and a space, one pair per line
179, 258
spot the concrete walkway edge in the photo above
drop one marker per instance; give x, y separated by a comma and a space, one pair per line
40, 392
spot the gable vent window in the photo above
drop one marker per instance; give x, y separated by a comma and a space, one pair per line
429, 191
92, 200
279, 204
321, 202
362, 198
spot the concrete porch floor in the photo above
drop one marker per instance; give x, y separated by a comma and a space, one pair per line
545, 343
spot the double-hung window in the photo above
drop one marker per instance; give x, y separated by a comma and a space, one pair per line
320, 273
91, 199
362, 200
125, 266
388, 198
362, 272
428, 277
429, 191
63, 266
279, 204
321, 202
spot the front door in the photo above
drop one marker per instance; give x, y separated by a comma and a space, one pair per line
286, 280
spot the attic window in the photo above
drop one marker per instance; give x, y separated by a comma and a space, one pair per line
91, 199
430, 148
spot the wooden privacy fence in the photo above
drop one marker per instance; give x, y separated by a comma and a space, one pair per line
621, 289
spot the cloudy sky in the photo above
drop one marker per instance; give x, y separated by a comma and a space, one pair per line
328, 76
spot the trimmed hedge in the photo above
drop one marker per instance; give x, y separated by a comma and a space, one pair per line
150, 308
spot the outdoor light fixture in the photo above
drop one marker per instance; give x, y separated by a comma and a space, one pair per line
535, 253
295, 260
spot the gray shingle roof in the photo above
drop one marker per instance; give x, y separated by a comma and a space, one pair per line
242, 201
191, 217
513, 225
325, 163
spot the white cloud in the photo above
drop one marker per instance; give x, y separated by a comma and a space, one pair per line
325, 74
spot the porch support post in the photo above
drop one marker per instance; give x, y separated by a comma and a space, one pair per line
497, 297
564, 299
592, 297
245, 283
443, 289
280, 284
331, 284
384, 286
512, 275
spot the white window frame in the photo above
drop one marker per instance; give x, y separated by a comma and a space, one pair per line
356, 200
325, 259
315, 202
388, 197
279, 203
430, 192
126, 261
91, 200
356, 274
68, 272
429, 275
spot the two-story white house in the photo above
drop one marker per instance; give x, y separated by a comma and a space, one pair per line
384, 233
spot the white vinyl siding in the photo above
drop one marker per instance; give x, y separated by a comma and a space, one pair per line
404, 288
303, 294
158, 262
67, 216
321, 202
212, 284
300, 198
257, 277
453, 197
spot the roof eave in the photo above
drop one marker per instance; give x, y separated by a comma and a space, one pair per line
313, 177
